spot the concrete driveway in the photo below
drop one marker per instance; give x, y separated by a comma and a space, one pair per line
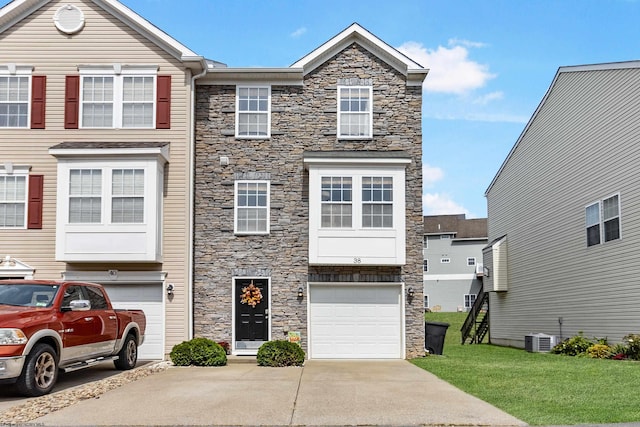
10, 398
320, 393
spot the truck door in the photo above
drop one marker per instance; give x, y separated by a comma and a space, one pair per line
108, 333
79, 328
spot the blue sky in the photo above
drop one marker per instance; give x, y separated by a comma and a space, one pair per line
490, 61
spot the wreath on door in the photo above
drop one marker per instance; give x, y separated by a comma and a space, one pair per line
251, 295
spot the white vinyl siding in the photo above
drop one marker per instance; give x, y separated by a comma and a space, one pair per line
13, 201
252, 207
14, 101
355, 112
253, 111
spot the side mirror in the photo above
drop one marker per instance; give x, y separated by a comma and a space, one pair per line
80, 305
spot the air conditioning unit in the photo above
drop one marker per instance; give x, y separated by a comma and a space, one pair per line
539, 343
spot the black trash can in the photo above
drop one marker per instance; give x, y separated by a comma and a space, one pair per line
434, 333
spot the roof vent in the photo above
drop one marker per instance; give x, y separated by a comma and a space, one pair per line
69, 19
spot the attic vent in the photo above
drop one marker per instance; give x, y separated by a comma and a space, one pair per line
69, 19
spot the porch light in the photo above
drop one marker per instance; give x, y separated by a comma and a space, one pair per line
300, 292
410, 293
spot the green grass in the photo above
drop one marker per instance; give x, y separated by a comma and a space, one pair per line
538, 388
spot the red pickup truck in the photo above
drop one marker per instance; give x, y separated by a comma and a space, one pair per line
46, 326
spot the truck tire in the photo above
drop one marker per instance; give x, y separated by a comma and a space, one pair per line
128, 354
40, 371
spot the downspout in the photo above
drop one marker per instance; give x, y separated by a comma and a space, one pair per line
192, 169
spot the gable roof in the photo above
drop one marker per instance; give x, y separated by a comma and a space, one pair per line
17, 10
562, 70
355, 33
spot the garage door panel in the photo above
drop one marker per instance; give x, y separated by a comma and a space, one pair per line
355, 321
149, 299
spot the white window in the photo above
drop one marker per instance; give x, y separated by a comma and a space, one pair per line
445, 236
341, 201
356, 210
426, 302
425, 265
122, 190
253, 112
15, 95
445, 260
425, 242
602, 220
469, 299
110, 202
13, 200
116, 97
471, 261
252, 207
355, 112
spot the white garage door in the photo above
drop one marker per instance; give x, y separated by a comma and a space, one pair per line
355, 322
149, 299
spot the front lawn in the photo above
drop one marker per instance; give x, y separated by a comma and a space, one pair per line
538, 388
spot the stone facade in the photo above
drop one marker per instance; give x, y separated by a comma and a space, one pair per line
303, 118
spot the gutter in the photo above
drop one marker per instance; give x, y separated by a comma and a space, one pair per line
192, 169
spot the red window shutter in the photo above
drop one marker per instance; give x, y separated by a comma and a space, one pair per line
72, 102
34, 208
163, 102
38, 95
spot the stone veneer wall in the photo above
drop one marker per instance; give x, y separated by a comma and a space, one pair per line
302, 119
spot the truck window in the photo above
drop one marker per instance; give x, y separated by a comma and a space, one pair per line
72, 293
96, 297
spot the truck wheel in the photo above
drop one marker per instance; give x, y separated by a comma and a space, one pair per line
128, 354
40, 371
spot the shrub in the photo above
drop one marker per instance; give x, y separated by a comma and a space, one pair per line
198, 352
280, 353
599, 351
574, 346
632, 350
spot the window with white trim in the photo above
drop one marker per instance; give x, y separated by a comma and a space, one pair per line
252, 207
425, 242
118, 98
13, 200
15, 95
425, 265
122, 191
445, 260
471, 261
377, 202
426, 302
469, 299
355, 112
253, 111
602, 220
337, 202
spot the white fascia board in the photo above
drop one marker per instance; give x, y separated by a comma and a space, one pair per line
150, 31
434, 277
161, 152
356, 33
356, 161
115, 276
17, 10
233, 76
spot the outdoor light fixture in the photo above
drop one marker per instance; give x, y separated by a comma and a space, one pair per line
300, 292
170, 289
410, 293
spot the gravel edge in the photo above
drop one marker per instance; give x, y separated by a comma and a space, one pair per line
43, 405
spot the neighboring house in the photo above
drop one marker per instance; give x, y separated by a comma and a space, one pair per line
95, 137
308, 187
563, 213
452, 266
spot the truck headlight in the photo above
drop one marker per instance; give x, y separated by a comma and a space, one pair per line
12, 337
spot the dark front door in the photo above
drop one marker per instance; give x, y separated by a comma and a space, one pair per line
252, 313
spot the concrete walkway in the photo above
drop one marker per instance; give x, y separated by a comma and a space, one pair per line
328, 393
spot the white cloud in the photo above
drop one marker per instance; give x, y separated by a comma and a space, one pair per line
467, 43
440, 204
297, 33
489, 97
450, 69
431, 175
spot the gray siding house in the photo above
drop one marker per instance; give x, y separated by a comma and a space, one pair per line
564, 217
452, 265
308, 212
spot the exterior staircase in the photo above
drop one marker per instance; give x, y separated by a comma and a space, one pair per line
476, 326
